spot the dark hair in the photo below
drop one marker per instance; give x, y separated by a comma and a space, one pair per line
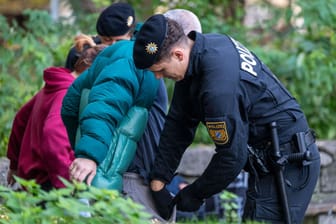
88, 51
175, 34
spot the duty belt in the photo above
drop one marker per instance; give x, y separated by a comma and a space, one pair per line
261, 160
307, 138
299, 143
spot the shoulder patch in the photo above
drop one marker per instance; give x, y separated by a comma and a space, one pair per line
218, 132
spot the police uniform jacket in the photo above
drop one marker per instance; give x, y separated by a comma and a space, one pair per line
236, 96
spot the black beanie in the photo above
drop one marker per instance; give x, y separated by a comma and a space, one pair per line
115, 20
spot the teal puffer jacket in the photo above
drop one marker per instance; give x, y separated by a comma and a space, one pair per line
116, 85
122, 148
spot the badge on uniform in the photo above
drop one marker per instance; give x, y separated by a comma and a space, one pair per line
218, 132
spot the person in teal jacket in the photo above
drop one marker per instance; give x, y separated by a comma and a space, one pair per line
115, 23
115, 87
130, 174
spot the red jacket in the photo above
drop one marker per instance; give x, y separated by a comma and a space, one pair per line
38, 146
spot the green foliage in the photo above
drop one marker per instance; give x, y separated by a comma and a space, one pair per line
230, 206
304, 62
219, 16
202, 135
302, 57
315, 65
25, 51
36, 43
66, 206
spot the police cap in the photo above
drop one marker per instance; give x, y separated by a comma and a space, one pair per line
149, 41
115, 20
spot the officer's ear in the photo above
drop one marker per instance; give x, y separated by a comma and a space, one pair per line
178, 53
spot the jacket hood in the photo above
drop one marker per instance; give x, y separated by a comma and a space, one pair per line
57, 78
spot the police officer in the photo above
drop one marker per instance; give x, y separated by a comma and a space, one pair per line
222, 84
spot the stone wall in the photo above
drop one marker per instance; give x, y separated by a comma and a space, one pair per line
3, 171
322, 209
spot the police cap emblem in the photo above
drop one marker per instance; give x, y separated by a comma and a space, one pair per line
149, 41
151, 48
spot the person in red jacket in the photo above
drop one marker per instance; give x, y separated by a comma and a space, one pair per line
38, 146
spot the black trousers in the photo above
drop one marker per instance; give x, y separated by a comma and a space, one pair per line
263, 201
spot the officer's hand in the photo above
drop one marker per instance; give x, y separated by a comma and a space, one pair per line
164, 202
186, 200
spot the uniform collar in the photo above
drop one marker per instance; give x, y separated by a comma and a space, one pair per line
194, 59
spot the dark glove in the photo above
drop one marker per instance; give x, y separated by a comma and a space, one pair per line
186, 200
163, 201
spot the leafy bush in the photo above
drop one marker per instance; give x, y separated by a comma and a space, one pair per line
25, 51
230, 206
303, 59
315, 73
66, 206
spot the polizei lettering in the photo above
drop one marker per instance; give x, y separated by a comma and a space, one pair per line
248, 60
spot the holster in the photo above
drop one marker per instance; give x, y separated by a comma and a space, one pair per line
260, 158
257, 161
